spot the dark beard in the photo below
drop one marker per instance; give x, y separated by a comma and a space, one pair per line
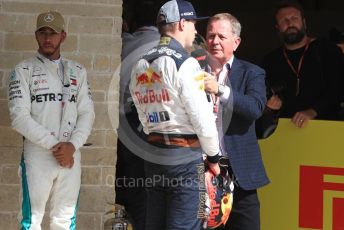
49, 53
291, 38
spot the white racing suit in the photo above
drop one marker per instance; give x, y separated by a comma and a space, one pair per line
47, 108
169, 96
167, 86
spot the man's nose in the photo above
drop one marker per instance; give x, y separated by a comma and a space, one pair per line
289, 22
216, 39
47, 35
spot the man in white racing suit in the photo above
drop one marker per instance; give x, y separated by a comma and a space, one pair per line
168, 91
51, 106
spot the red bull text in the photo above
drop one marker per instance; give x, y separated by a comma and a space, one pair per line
152, 96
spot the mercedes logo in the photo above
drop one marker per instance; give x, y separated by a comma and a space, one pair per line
49, 18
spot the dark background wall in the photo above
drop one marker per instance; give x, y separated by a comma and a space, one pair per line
258, 31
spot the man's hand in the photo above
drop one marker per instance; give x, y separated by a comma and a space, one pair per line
274, 103
302, 117
63, 152
214, 167
210, 83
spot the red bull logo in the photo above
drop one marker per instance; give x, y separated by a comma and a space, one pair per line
152, 96
149, 77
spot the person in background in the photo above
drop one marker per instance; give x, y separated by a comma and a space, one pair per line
303, 74
178, 121
129, 166
239, 99
50, 105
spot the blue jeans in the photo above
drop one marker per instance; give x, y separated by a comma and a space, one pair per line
175, 199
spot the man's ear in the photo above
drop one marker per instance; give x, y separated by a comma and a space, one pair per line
304, 23
181, 24
237, 41
36, 36
63, 36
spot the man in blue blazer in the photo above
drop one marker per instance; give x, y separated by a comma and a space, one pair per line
239, 99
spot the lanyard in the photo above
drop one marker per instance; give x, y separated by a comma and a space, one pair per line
296, 72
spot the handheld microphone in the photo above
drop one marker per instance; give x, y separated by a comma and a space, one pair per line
201, 56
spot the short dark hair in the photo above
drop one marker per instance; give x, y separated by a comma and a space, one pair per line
285, 4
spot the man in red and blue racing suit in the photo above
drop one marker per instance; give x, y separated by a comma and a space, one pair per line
168, 91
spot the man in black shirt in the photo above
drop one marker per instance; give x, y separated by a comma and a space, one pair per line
303, 73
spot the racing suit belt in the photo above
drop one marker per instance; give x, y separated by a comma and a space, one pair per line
189, 141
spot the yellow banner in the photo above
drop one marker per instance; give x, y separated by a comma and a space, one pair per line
306, 169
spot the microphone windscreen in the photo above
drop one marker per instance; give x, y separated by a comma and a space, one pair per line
201, 56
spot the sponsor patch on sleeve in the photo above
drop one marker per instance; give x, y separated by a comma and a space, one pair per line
14, 90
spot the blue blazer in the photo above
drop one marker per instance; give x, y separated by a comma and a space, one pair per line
245, 106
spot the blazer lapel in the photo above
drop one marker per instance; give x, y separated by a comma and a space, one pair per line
235, 74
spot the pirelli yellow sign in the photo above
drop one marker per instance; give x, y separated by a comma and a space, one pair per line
306, 169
